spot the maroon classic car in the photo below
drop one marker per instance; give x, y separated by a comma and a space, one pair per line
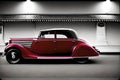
50, 44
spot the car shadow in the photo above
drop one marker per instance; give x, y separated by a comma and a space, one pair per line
58, 61
110, 53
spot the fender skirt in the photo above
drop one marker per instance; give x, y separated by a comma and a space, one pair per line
84, 50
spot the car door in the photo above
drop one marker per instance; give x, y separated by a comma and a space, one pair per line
64, 45
44, 46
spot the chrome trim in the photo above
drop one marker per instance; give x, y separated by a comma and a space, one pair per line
54, 57
24, 43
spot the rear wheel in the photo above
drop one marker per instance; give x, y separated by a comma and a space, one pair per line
13, 56
81, 60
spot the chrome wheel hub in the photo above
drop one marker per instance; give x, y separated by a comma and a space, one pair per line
13, 55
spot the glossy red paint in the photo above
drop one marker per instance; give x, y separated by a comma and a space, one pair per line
84, 50
40, 47
25, 52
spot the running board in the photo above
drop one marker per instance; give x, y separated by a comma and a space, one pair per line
54, 57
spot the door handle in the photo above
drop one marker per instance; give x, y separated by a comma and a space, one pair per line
73, 41
54, 41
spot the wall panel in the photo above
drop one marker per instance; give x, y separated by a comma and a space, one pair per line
113, 33
19, 30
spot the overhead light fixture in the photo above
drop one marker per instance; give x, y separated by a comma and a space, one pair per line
30, 7
28, 0
108, 0
106, 6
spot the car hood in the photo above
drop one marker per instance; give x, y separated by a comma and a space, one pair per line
16, 39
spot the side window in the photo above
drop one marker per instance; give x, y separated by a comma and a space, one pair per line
48, 36
61, 36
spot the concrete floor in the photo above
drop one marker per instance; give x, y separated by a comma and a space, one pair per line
104, 67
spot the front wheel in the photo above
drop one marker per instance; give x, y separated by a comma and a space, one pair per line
81, 60
13, 56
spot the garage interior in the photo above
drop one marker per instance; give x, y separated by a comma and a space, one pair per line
82, 16
96, 21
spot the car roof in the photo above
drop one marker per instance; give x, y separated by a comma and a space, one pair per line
68, 32
57, 29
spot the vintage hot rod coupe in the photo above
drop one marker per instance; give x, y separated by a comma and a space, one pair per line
50, 44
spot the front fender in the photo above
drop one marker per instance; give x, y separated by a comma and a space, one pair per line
84, 50
26, 53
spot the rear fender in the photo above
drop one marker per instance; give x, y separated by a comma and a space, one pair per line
84, 50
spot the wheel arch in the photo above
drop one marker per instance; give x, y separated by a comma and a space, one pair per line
24, 52
12, 48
